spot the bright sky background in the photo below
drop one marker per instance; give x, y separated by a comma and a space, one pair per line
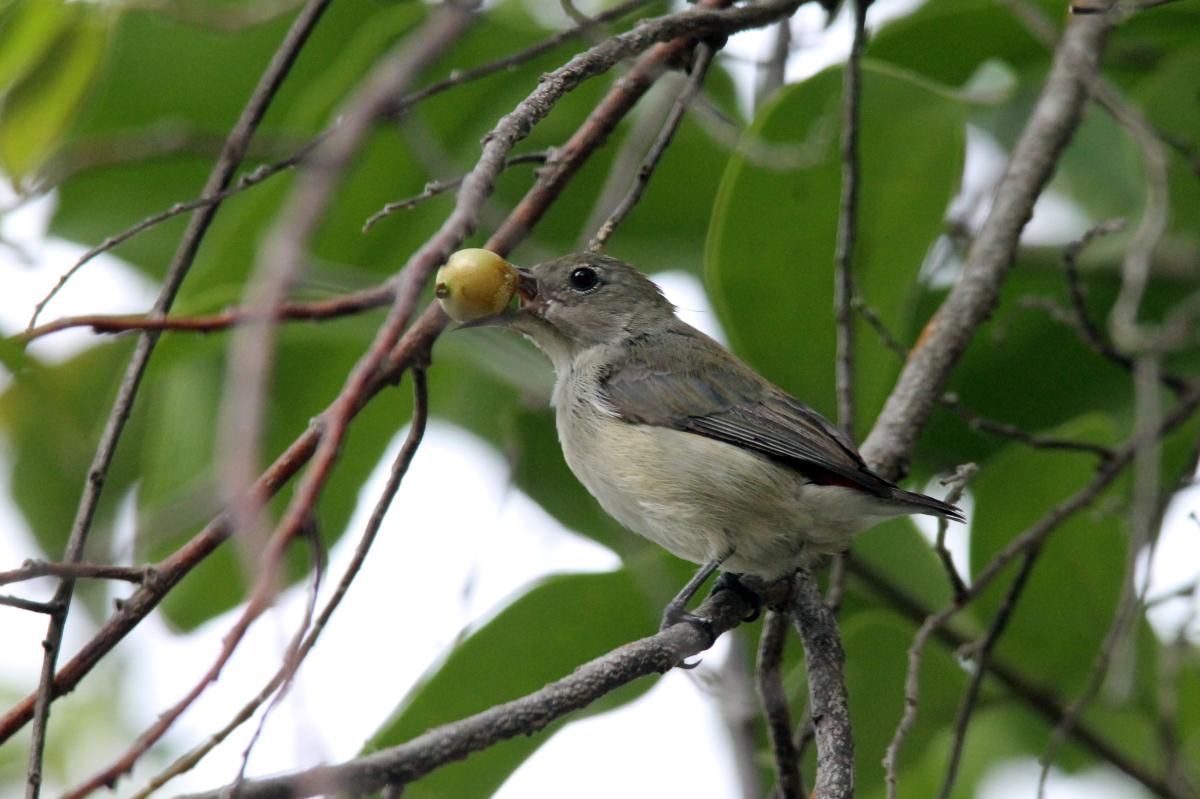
459, 564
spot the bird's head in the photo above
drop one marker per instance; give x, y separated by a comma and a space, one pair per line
579, 301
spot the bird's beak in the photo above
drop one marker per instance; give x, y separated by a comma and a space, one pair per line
528, 298
529, 301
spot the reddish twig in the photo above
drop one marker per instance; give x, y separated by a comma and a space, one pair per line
344, 305
400, 465
231, 155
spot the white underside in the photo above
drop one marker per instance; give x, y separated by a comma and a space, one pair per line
703, 499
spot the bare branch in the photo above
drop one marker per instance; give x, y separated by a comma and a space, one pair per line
958, 483
434, 188
789, 784
206, 200
982, 653
1042, 700
974, 296
31, 605
825, 663
32, 569
974, 421
344, 305
843, 293
231, 155
400, 765
703, 60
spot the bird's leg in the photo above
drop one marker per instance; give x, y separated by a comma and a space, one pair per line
676, 610
728, 581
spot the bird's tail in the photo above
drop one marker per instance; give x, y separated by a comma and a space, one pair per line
921, 503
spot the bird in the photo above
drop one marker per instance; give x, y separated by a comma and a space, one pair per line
685, 444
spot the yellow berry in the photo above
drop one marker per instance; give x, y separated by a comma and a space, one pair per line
475, 283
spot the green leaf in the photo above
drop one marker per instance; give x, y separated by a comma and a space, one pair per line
52, 419
1068, 602
897, 550
551, 629
37, 110
27, 29
769, 256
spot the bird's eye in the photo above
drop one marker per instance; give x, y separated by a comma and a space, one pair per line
584, 279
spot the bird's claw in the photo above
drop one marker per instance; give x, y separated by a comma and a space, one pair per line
728, 581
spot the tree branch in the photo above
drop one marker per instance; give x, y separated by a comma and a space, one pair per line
825, 663
843, 293
400, 765
231, 155
974, 296
789, 784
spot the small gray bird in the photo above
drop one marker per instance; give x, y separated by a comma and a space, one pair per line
683, 443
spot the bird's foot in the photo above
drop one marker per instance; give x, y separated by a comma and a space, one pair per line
677, 614
728, 581
676, 611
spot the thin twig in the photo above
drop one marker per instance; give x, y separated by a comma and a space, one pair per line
825, 664
974, 421
231, 155
789, 784
32, 569
404, 458
1032, 537
773, 70
32, 605
251, 354
206, 200
872, 318
958, 483
1087, 328
981, 654
459, 77
703, 60
436, 187
1045, 702
843, 293
416, 342
407, 762
343, 305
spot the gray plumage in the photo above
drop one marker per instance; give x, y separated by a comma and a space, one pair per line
682, 442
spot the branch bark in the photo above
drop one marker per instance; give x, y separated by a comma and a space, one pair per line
946, 336
403, 764
825, 664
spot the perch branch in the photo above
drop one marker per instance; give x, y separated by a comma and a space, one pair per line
771, 692
825, 663
400, 765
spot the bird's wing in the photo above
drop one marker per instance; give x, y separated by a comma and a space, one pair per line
656, 383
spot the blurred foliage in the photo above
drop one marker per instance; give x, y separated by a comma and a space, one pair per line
121, 110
